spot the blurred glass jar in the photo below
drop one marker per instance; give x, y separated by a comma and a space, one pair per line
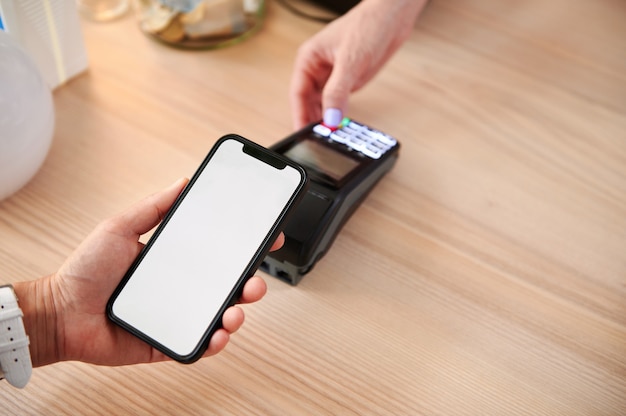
102, 10
200, 24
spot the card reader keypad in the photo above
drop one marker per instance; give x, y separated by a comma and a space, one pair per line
370, 142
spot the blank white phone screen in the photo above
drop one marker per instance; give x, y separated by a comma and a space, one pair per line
190, 269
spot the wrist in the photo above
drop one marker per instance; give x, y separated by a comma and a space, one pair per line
399, 14
40, 319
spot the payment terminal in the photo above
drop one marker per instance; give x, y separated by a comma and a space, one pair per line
343, 165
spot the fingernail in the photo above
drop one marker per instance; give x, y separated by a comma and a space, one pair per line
178, 183
332, 117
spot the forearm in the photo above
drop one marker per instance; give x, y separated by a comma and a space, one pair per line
36, 301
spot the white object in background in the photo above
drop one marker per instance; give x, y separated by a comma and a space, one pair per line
50, 31
26, 117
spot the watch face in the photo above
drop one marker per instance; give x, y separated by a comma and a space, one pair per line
312, 154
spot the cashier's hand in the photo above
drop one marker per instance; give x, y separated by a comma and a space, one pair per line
64, 313
345, 55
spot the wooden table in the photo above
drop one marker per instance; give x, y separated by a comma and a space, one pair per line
485, 275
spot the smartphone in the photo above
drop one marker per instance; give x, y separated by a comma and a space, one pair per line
208, 245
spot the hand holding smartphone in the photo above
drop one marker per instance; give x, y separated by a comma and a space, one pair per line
211, 241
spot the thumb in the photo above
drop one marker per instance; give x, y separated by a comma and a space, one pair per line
335, 96
147, 213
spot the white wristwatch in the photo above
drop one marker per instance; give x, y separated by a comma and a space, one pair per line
15, 364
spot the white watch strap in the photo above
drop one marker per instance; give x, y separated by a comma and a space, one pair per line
15, 364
